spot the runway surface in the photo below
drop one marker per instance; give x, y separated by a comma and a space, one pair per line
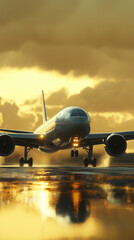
57, 202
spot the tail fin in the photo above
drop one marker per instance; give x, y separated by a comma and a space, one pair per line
44, 108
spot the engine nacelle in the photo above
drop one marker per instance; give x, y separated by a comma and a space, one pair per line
116, 145
7, 145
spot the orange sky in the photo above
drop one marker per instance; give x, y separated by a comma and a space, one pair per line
80, 52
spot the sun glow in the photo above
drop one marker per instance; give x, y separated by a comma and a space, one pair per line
43, 203
21, 81
41, 136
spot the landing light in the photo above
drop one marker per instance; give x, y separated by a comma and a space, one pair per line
75, 142
75, 145
41, 136
75, 139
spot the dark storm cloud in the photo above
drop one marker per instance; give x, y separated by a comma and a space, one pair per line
107, 96
58, 98
83, 36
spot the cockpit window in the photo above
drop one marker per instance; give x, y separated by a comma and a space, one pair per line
78, 112
82, 113
74, 113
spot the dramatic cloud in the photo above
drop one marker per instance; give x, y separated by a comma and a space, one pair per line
13, 118
82, 36
105, 97
110, 105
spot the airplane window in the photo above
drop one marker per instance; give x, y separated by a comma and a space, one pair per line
74, 113
82, 113
78, 112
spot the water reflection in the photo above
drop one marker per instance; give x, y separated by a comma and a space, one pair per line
73, 204
51, 203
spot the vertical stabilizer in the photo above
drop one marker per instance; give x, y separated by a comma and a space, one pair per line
44, 108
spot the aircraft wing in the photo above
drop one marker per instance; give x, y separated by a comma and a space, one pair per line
99, 138
14, 131
27, 139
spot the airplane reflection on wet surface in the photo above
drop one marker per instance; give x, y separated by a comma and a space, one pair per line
65, 203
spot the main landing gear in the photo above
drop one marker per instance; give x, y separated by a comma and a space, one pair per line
25, 160
89, 159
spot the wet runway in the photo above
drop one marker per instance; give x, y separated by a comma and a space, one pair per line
56, 202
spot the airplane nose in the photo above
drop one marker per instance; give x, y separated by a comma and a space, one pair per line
79, 120
79, 127
73, 123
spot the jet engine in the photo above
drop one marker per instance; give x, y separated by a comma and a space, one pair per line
115, 145
7, 145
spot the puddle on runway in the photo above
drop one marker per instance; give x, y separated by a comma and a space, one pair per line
66, 203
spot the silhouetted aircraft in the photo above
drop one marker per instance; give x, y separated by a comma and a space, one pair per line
68, 129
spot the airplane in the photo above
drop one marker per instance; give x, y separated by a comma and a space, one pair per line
68, 129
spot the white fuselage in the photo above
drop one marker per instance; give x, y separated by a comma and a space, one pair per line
69, 123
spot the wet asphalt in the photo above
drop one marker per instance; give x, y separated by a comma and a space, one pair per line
58, 202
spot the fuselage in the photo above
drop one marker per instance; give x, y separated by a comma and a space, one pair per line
68, 123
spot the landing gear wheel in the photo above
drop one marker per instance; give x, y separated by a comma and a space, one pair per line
30, 162
76, 153
21, 162
89, 160
24, 160
94, 162
72, 153
86, 162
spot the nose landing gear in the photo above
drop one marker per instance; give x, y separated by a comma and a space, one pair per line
89, 159
25, 160
74, 153
75, 144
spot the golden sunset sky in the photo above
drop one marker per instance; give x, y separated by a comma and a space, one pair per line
80, 52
